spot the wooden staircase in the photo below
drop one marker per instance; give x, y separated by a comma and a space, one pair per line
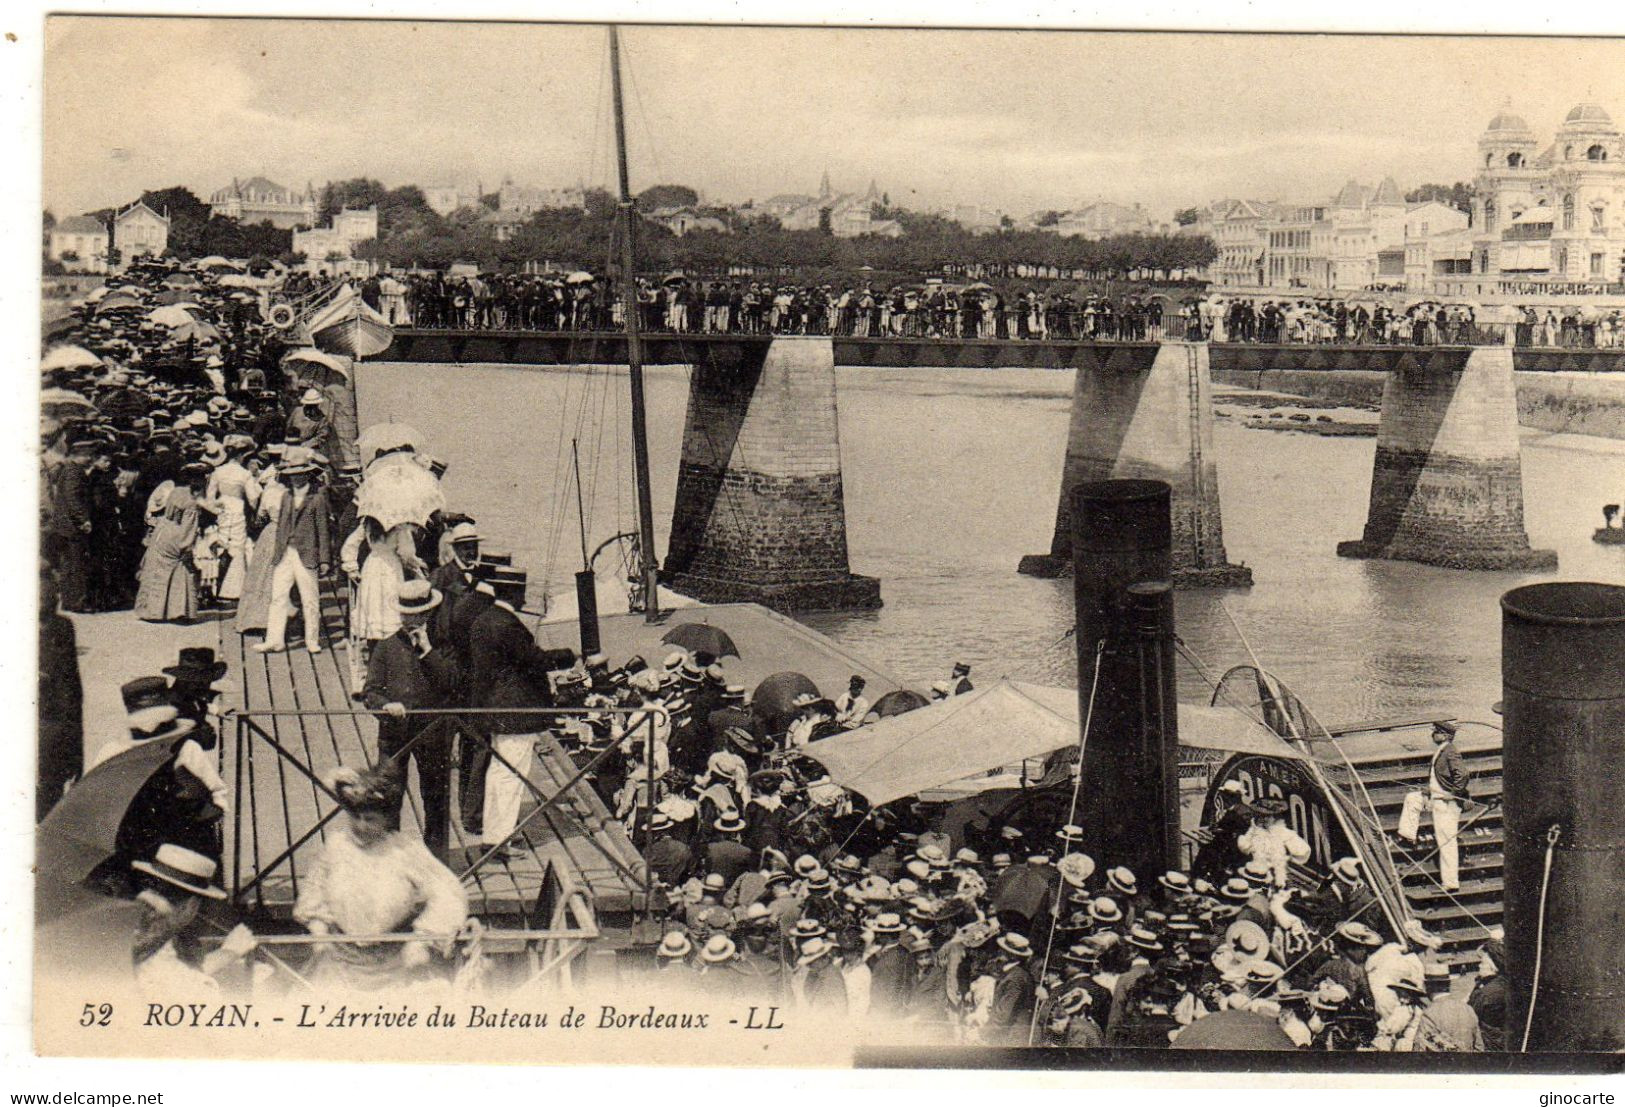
1463, 918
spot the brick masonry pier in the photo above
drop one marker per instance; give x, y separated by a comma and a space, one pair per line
1447, 483
760, 514
1146, 411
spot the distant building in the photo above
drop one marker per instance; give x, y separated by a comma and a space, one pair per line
1237, 230
503, 225
80, 244
139, 231
445, 199
258, 200
1103, 220
848, 214
325, 247
1553, 216
975, 218
515, 199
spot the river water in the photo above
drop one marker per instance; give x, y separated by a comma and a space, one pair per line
952, 475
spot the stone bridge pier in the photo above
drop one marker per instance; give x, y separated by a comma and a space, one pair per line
1146, 412
760, 514
1447, 483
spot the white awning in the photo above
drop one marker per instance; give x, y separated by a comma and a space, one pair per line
1001, 724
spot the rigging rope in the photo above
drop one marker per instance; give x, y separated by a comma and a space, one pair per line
1071, 819
1553, 833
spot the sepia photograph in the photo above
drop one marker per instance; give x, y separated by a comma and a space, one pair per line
828, 546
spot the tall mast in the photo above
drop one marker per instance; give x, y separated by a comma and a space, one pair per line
627, 212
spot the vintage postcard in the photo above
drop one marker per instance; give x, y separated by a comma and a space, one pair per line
829, 546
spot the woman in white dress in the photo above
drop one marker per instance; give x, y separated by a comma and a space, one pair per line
238, 495
377, 562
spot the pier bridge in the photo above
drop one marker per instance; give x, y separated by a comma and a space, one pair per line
760, 515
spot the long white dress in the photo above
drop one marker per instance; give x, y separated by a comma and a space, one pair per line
376, 614
237, 493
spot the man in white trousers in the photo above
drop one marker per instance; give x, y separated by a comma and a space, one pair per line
507, 669
1446, 792
303, 551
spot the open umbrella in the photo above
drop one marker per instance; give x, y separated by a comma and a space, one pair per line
82, 829
171, 315
900, 702
215, 261
61, 404
68, 357
181, 280
675, 277
196, 329
775, 695
168, 296
579, 278
309, 355
1234, 1030
697, 637
239, 280
399, 492
386, 436
118, 301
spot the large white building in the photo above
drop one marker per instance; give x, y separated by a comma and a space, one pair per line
849, 214
1552, 215
515, 199
258, 200
138, 231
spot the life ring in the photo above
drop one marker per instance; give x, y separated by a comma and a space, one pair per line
282, 316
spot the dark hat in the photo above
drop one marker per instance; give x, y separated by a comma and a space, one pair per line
1446, 726
144, 692
197, 663
1269, 806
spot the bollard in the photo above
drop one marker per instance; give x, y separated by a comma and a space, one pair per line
1127, 802
1563, 687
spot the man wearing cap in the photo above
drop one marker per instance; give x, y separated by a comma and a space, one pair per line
1352, 946
850, 705
1447, 790
960, 679
405, 673
1489, 996
457, 573
309, 425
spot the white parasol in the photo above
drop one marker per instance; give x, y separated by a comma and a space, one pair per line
397, 492
386, 436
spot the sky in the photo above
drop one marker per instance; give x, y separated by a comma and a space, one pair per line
1013, 120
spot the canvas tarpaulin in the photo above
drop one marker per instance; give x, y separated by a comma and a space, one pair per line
1001, 724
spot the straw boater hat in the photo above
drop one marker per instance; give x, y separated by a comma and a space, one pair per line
718, 949
807, 928
1071, 834
1347, 870
1122, 880
1357, 934
1104, 910
416, 597
182, 868
1175, 881
887, 922
1236, 889
1330, 996
674, 945
714, 882
813, 950
1256, 873
1141, 938
1016, 945
311, 396
1076, 868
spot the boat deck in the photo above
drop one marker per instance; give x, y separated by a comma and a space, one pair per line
297, 722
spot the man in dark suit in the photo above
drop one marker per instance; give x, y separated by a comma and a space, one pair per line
406, 673
1015, 993
507, 669
68, 537
1447, 791
669, 857
727, 855
891, 968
